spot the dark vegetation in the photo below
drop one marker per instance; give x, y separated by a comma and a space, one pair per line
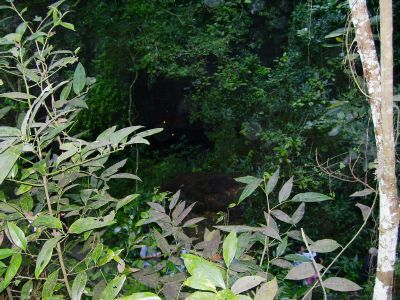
240, 87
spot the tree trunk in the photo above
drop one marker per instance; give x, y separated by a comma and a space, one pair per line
380, 90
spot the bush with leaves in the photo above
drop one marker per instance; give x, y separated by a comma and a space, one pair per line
257, 262
55, 202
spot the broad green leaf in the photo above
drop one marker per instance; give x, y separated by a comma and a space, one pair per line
365, 210
68, 25
324, 246
47, 221
296, 258
65, 92
97, 252
49, 285
12, 270
78, 286
201, 296
280, 215
21, 28
7, 160
246, 283
141, 296
303, 271
4, 253
362, 193
341, 284
336, 33
310, 197
26, 290
285, 191
45, 255
249, 189
199, 267
273, 180
229, 248
225, 295
200, 283
162, 243
4, 111
6, 131
149, 132
246, 179
118, 136
17, 235
210, 272
282, 246
16, 96
113, 287
267, 291
128, 199
298, 214
79, 80
89, 223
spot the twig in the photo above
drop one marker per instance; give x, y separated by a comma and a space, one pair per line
314, 263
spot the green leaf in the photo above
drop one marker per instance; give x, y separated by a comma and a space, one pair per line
49, 285
21, 28
282, 247
128, 199
225, 295
68, 25
246, 283
141, 296
4, 253
267, 291
45, 255
16, 96
310, 197
303, 271
229, 248
79, 80
200, 283
249, 189
336, 33
112, 289
26, 290
7, 160
65, 92
47, 221
6, 131
78, 286
284, 193
89, 223
273, 180
199, 267
246, 179
341, 284
97, 252
17, 235
201, 296
324, 246
12, 270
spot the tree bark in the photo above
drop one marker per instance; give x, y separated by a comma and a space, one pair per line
380, 91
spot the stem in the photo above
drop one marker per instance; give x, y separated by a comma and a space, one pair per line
314, 263
58, 247
345, 247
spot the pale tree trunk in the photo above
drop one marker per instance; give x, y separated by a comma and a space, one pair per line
380, 91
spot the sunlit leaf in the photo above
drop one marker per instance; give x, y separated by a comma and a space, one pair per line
113, 287
230, 247
17, 235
